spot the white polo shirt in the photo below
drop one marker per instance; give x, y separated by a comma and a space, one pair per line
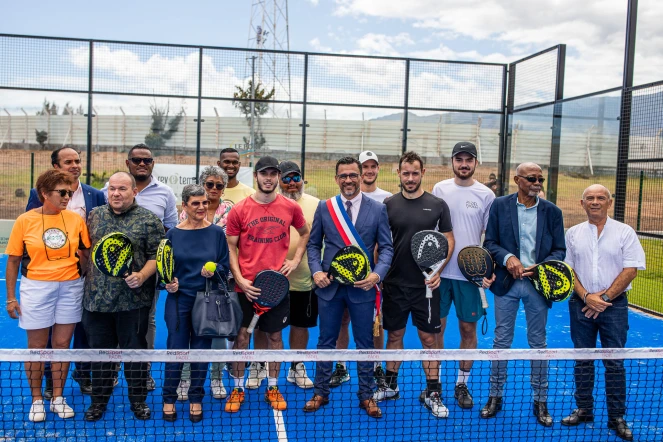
598, 260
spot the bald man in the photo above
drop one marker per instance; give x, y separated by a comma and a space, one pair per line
606, 256
522, 230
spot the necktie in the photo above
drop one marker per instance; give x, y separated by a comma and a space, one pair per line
348, 209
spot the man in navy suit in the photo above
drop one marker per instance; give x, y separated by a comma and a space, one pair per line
84, 199
523, 230
371, 223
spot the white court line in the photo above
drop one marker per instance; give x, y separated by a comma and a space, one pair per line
280, 426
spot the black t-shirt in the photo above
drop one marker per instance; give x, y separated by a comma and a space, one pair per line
407, 217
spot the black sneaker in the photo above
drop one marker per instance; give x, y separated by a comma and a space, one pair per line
141, 410
151, 385
379, 374
84, 383
339, 376
463, 396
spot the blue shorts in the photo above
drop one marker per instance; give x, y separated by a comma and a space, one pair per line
465, 297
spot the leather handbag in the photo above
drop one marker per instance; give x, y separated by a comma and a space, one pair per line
216, 312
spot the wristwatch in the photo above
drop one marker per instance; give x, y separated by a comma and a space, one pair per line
605, 298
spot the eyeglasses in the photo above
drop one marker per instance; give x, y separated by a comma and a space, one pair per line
533, 179
345, 176
53, 236
137, 161
287, 179
64, 192
198, 203
211, 185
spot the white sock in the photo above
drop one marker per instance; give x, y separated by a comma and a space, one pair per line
463, 377
272, 382
343, 364
239, 382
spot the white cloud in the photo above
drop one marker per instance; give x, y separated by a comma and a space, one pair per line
382, 44
314, 2
319, 47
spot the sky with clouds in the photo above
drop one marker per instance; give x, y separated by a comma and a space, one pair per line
472, 30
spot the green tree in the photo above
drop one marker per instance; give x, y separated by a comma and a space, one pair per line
48, 108
260, 108
163, 125
41, 137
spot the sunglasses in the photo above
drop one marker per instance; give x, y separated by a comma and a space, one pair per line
64, 192
210, 185
345, 176
199, 203
533, 179
137, 161
287, 179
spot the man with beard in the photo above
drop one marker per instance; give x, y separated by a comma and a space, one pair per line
303, 300
260, 227
370, 168
84, 199
365, 221
522, 230
159, 199
411, 211
469, 202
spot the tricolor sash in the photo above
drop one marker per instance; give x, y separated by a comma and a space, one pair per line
349, 235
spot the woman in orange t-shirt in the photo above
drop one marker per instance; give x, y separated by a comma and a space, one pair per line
46, 242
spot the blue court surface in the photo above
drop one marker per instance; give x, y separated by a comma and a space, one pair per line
403, 419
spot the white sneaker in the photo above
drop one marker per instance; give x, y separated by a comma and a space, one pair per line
218, 389
298, 376
434, 403
257, 373
183, 390
37, 411
59, 406
385, 393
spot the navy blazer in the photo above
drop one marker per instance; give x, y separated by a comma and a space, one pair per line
93, 198
502, 236
373, 227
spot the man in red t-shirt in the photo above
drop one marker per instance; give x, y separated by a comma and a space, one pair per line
259, 226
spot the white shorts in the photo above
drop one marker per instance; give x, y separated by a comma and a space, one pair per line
44, 303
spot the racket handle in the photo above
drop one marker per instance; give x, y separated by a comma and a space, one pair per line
484, 302
253, 323
429, 292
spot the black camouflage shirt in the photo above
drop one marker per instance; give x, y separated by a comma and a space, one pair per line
110, 294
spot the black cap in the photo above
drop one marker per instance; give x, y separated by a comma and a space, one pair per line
464, 146
287, 167
266, 163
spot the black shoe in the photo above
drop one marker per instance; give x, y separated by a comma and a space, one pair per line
492, 407
141, 410
463, 396
48, 391
170, 417
378, 374
422, 397
84, 383
621, 428
151, 385
578, 416
339, 376
195, 418
542, 415
95, 412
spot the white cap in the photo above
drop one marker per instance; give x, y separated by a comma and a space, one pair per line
368, 155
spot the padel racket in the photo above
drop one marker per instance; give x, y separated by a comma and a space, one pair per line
349, 265
165, 261
475, 263
113, 255
554, 280
273, 288
429, 250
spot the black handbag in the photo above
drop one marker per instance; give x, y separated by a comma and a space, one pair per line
216, 312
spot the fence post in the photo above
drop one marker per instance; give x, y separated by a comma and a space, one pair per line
625, 112
199, 120
304, 125
406, 105
553, 170
642, 182
90, 112
504, 158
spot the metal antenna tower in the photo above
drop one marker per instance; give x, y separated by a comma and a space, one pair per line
269, 29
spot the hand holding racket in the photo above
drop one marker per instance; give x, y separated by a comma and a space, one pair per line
273, 287
429, 250
554, 280
475, 264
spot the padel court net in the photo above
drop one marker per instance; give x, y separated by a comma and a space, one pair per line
403, 418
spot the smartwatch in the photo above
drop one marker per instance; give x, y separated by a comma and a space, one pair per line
605, 298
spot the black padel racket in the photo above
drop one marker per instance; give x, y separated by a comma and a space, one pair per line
113, 255
273, 288
554, 280
475, 263
165, 261
349, 265
429, 250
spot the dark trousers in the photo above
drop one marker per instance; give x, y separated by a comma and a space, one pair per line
182, 337
361, 318
108, 331
611, 326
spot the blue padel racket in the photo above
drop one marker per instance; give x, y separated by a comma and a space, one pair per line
273, 286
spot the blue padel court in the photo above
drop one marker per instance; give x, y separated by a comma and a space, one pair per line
403, 419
